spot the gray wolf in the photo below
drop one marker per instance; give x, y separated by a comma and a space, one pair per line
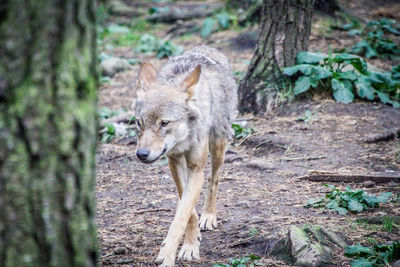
185, 111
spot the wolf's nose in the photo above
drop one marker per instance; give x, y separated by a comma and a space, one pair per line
142, 153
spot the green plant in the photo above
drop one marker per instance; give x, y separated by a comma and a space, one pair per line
253, 232
220, 21
376, 42
161, 47
308, 115
371, 240
349, 200
344, 75
250, 261
241, 132
108, 133
377, 255
388, 224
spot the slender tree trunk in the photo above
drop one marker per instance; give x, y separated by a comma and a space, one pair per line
48, 83
285, 31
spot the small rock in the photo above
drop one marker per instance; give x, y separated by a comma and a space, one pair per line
119, 250
111, 66
368, 184
261, 165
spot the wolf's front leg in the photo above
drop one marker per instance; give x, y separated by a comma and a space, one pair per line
191, 246
190, 195
195, 161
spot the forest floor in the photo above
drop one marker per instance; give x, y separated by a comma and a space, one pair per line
260, 194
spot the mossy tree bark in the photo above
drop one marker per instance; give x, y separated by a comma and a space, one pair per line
285, 31
48, 83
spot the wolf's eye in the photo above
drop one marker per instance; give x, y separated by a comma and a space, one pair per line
164, 123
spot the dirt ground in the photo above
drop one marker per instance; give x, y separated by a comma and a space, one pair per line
260, 194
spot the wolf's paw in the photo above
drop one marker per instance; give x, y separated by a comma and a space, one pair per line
208, 221
165, 259
189, 252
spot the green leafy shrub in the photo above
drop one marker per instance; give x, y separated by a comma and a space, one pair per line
345, 76
241, 132
220, 21
249, 261
349, 200
376, 41
162, 48
377, 255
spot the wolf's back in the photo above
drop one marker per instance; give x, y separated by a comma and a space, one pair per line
217, 99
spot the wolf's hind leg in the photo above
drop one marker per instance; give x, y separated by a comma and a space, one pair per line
208, 219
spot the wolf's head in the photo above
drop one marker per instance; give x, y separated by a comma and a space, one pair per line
162, 112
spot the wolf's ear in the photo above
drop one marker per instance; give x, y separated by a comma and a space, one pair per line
147, 75
188, 84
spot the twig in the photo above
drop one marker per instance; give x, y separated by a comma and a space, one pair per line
304, 158
151, 210
116, 157
243, 140
240, 242
262, 143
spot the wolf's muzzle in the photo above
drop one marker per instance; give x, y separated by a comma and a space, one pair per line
142, 153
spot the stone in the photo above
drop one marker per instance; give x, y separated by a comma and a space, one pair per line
303, 250
112, 65
119, 250
261, 165
232, 157
368, 184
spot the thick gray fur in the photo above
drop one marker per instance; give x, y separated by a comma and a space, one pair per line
216, 91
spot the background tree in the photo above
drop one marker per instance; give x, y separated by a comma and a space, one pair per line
285, 30
48, 135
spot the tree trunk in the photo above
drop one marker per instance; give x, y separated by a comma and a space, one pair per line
48, 122
285, 31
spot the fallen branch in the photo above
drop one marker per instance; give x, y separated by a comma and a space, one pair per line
151, 210
121, 118
183, 28
174, 14
304, 158
385, 136
321, 176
